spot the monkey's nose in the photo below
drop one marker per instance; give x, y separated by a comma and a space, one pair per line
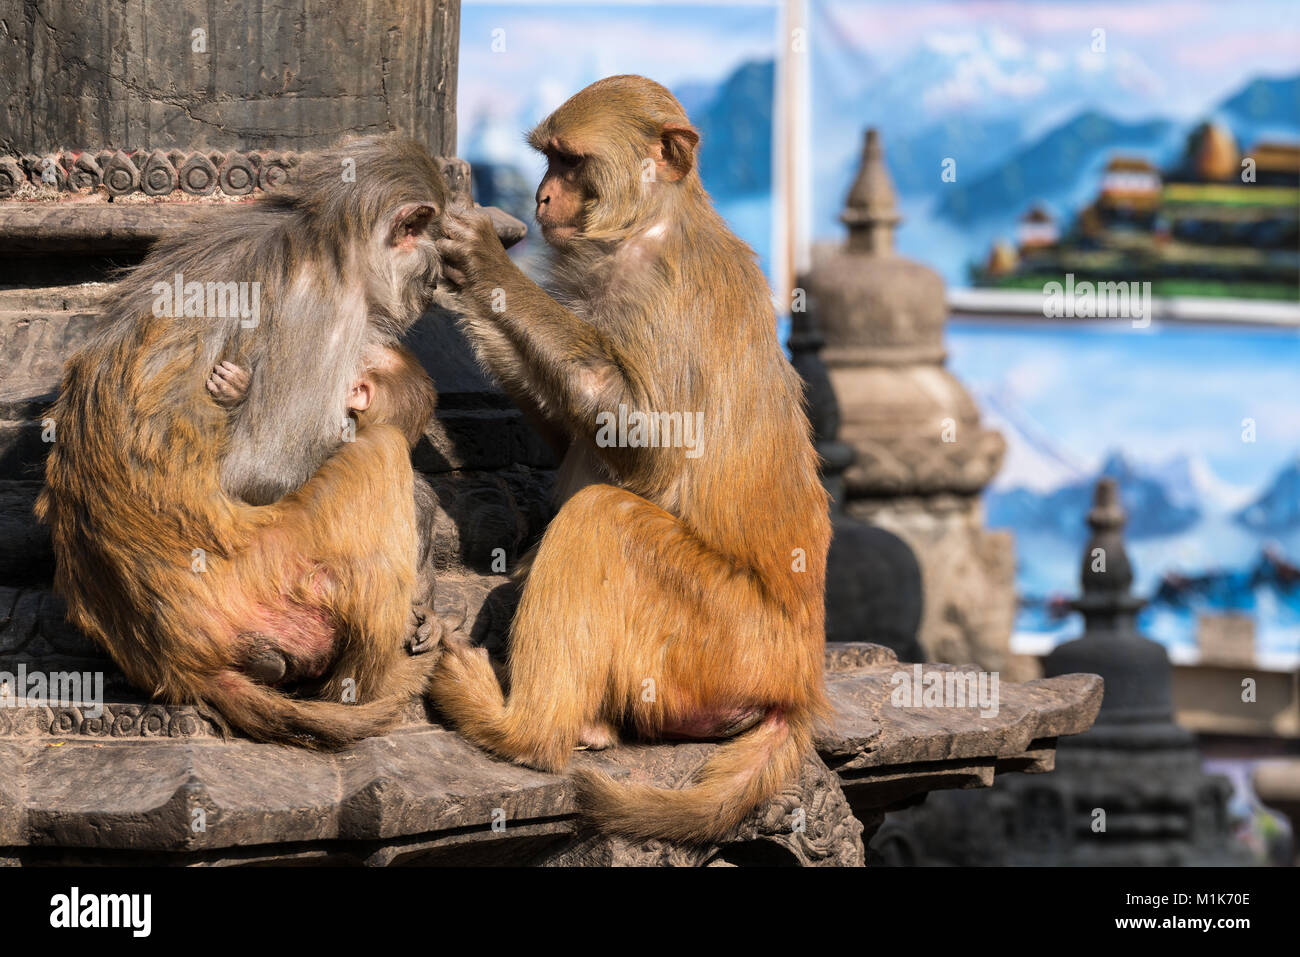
542, 198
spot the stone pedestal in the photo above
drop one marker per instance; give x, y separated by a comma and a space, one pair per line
921, 455
149, 784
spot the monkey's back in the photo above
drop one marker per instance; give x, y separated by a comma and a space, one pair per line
132, 501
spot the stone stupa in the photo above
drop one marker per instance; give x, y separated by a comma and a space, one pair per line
921, 455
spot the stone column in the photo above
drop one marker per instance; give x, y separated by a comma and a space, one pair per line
922, 456
279, 74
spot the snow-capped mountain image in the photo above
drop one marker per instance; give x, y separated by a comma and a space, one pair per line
1192, 551
1213, 513
1029, 113
1277, 508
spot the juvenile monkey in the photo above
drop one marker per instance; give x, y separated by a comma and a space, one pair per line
197, 544
391, 387
679, 591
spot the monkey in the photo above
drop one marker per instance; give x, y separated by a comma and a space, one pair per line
391, 387
679, 590
199, 545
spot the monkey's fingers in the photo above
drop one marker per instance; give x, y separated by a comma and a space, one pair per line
221, 393
455, 252
467, 224
231, 372
455, 279
233, 375
228, 383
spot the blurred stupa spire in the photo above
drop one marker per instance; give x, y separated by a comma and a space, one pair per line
871, 210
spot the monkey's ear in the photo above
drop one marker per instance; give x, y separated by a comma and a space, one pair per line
678, 151
360, 397
409, 223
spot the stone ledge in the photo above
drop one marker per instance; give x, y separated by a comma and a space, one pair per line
105, 228
423, 794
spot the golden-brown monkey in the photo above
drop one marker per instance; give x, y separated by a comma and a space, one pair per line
679, 591
195, 543
391, 388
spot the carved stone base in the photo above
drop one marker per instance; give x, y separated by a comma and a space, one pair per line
151, 784
967, 575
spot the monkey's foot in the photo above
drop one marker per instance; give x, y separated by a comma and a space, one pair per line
451, 611
265, 662
425, 629
597, 736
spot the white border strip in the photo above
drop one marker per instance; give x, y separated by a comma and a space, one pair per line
1028, 304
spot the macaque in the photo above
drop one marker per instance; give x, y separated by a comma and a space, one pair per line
227, 556
678, 593
391, 386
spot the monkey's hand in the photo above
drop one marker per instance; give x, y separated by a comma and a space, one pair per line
473, 260
228, 384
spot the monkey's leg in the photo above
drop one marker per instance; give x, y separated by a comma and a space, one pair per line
426, 628
563, 641
626, 617
358, 514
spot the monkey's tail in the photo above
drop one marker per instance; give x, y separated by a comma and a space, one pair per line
736, 779
265, 714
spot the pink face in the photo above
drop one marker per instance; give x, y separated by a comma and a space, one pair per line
559, 196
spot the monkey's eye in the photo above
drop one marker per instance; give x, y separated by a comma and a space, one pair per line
567, 160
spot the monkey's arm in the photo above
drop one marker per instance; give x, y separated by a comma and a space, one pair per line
496, 350
569, 370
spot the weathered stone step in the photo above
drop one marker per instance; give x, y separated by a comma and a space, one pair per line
422, 794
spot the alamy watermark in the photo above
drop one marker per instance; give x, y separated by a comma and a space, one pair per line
653, 430
56, 689
209, 300
1098, 300
75, 909
919, 688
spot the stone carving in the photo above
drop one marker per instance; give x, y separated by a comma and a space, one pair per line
158, 177
11, 176
121, 176
85, 173
921, 456
809, 822
154, 173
